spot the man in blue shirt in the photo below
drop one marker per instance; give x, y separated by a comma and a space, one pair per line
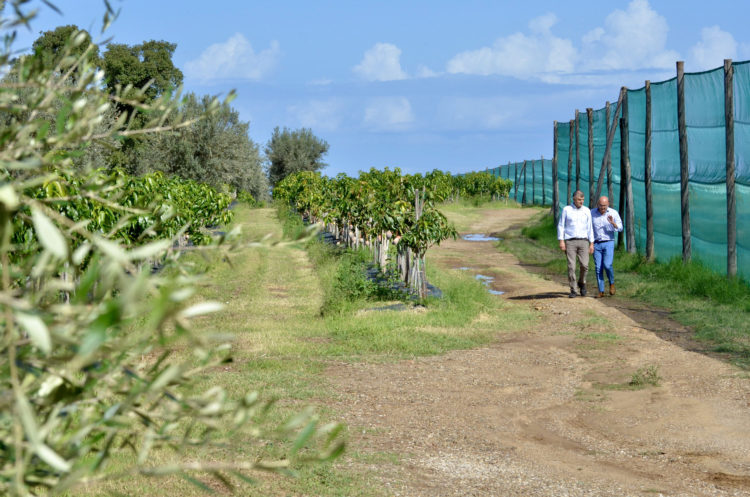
576, 235
606, 222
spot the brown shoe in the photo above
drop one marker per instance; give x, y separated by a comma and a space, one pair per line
599, 295
611, 288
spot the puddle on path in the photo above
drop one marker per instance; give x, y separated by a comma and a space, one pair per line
463, 268
478, 237
486, 280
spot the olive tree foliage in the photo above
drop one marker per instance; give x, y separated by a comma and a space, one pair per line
216, 149
87, 361
291, 151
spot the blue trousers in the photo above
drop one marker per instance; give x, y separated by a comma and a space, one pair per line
604, 254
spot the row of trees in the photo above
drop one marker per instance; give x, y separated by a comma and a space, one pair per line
212, 146
383, 208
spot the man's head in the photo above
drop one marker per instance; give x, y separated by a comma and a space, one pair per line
578, 199
603, 204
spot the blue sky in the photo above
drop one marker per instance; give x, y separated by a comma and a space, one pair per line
419, 85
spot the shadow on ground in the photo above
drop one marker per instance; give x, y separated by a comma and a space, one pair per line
538, 296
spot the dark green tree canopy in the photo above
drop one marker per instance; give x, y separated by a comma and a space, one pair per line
50, 45
138, 64
290, 151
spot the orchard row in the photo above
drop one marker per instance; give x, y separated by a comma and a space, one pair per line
383, 208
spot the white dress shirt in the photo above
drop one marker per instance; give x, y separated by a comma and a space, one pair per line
575, 223
603, 229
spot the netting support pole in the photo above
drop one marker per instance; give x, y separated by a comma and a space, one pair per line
731, 201
523, 198
544, 193
684, 165
607, 126
578, 154
590, 122
647, 179
533, 182
626, 183
607, 151
571, 127
555, 186
515, 182
621, 205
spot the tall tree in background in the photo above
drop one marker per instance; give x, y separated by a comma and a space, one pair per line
138, 64
290, 151
51, 45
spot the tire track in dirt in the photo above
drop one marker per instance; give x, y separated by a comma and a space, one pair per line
547, 411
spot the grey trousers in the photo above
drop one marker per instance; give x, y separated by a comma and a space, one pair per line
577, 249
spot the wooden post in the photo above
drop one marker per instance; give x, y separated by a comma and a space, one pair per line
731, 202
621, 205
555, 187
523, 197
647, 177
533, 182
571, 127
610, 192
544, 193
590, 119
578, 154
515, 175
684, 166
608, 148
628, 185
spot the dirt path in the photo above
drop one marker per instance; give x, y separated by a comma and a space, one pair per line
548, 411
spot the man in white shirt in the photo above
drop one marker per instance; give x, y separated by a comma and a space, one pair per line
576, 235
606, 222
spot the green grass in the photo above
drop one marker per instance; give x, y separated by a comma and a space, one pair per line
643, 377
283, 343
647, 375
715, 307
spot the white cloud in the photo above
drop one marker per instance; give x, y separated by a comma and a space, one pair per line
235, 58
318, 114
381, 63
543, 23
715, 46
426, 72
634, 38
520, 55
388, 114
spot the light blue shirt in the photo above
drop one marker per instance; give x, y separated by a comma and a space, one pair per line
575, 223
603, 229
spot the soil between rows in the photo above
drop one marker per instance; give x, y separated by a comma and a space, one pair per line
547, 411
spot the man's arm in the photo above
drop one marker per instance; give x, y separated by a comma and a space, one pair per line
617, 221
561, 229
591, 232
